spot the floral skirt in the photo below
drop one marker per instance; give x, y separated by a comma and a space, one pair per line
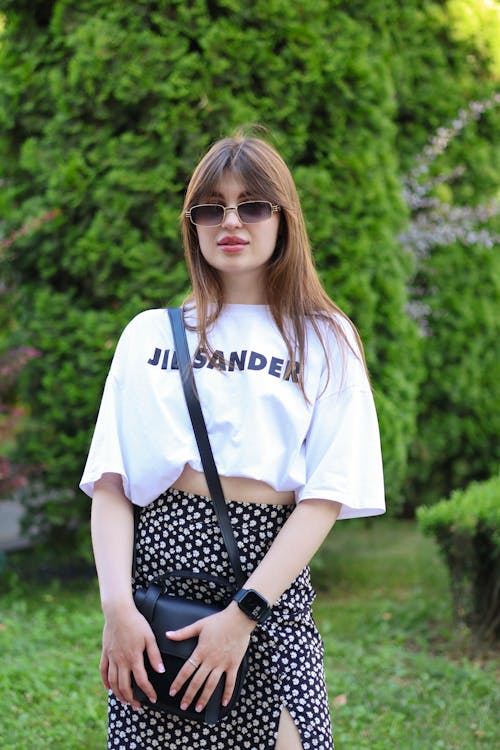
285, 658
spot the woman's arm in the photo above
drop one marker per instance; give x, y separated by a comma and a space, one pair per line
126, 633
294, 547
224, 637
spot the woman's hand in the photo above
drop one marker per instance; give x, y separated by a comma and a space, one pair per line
125, 637
222, 641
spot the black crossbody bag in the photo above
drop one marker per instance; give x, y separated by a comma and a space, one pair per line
165, 611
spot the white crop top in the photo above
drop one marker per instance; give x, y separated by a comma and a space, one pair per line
259, 423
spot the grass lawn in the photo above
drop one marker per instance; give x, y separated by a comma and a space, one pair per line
395, 670
50, 696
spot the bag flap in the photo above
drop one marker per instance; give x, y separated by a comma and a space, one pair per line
173, 613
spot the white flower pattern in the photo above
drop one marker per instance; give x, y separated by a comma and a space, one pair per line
285, 659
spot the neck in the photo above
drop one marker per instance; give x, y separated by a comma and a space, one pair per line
244, 291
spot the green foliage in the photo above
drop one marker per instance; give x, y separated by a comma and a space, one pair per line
467, 529
119, 102
436, 71
446, 62
478, 505
106, 107
459, 419
477, 23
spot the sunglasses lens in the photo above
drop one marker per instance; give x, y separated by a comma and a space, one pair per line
254, 211
208, 215
212, 215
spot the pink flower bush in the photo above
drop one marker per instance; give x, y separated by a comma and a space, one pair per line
11, 477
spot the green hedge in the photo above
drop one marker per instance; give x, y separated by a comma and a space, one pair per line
467, 530
118, 102
458, 415
457, 283
105, 109
443, 62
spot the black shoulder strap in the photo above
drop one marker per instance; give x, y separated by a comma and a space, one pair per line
202, 440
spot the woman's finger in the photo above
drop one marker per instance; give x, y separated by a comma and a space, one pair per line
194, 686
125, 685
229, 686
104, 669
154, 654
141, 678
114, 682
209, 687
190, 631
187, 671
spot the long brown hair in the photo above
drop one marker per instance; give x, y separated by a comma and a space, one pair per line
294, 292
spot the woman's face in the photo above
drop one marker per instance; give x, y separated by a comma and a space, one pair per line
239, 252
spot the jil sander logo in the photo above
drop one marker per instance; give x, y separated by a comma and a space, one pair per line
166, 359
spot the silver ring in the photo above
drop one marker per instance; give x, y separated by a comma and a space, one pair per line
195, 665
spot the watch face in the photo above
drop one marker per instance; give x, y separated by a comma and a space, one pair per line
254, 604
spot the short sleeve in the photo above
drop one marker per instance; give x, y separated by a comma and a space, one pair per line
106, 452
342, 447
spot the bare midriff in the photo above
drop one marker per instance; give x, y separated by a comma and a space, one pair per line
235, 488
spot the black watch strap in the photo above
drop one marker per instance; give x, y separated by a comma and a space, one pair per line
253, 604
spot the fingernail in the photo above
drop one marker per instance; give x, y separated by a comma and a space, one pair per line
152, 700
225, 702
199, 708
161, 667
172, 692
169, 633
184, 706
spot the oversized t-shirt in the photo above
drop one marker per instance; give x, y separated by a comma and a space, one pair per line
260, 425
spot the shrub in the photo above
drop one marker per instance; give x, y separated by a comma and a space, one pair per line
446, 72
105, 110
11, 414
455, 295
467, 530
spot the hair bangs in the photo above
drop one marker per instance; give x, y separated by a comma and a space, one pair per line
245, 161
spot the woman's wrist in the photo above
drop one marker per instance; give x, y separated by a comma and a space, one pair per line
241, 618
116, 603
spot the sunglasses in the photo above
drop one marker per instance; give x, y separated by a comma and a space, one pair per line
212, 214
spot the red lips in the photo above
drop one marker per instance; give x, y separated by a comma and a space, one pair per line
232, 244
232, 240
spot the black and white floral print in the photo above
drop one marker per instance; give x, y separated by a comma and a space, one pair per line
285, 658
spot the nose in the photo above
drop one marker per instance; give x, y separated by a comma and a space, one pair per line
231, 218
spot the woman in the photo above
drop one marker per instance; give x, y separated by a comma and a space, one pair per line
283, 386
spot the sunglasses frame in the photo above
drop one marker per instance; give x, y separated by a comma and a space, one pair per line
274, 209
